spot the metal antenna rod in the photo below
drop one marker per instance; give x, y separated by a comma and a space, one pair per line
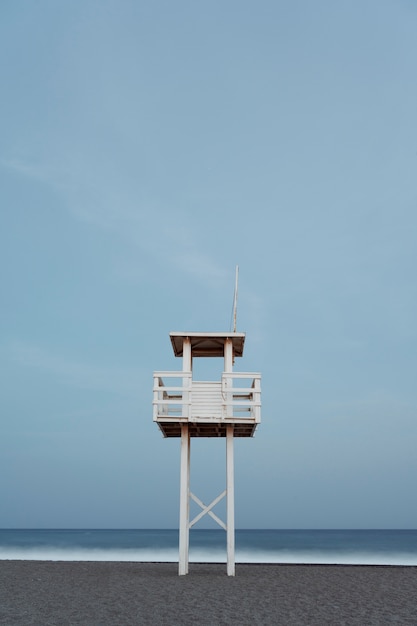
235, 300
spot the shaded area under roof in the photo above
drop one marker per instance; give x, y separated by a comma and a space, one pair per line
207, 344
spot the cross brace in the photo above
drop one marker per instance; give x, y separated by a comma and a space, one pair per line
207, 510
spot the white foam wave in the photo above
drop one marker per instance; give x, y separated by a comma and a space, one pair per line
86, 554
199, 555
326, 558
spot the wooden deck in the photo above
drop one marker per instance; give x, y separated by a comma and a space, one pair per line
206, 429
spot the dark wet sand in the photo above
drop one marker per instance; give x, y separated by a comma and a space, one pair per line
92, 594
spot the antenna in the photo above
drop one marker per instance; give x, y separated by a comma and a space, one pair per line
235, 299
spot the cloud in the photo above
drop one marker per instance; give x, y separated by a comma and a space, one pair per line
164, 235
33, 171
82, 375
378, 412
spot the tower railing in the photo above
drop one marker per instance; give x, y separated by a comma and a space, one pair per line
171, 400
237, 396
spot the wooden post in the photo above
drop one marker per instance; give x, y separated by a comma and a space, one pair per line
230, 500
228, 356
184, 539
184, 501
230, 487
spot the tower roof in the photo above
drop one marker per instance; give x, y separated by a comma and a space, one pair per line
207, 344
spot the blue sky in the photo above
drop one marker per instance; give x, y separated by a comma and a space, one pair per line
146, 149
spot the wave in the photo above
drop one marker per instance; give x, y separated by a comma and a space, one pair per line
199, 555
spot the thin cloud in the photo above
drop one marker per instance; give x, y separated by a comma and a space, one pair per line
201, 266
111, 210
77, 374
28, 170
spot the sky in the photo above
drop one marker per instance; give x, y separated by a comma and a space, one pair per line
147, 148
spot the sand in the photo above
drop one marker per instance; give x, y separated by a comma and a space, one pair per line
64, 593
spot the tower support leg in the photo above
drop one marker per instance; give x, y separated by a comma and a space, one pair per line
230, 500
184, 501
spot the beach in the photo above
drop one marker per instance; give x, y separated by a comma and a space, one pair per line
100, 593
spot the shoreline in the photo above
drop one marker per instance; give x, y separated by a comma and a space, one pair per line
98, 593
209, 563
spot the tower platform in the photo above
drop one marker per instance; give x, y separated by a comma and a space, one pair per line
206, 429
208, 407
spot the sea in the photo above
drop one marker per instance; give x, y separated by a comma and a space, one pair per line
355, 547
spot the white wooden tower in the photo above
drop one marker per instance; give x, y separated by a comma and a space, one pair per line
187, 408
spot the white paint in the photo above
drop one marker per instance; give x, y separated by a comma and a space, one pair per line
184, 501
230, 500
183, 407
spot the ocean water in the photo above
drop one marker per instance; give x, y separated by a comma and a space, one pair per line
367, 547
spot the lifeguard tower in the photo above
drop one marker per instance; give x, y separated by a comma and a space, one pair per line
186, 408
